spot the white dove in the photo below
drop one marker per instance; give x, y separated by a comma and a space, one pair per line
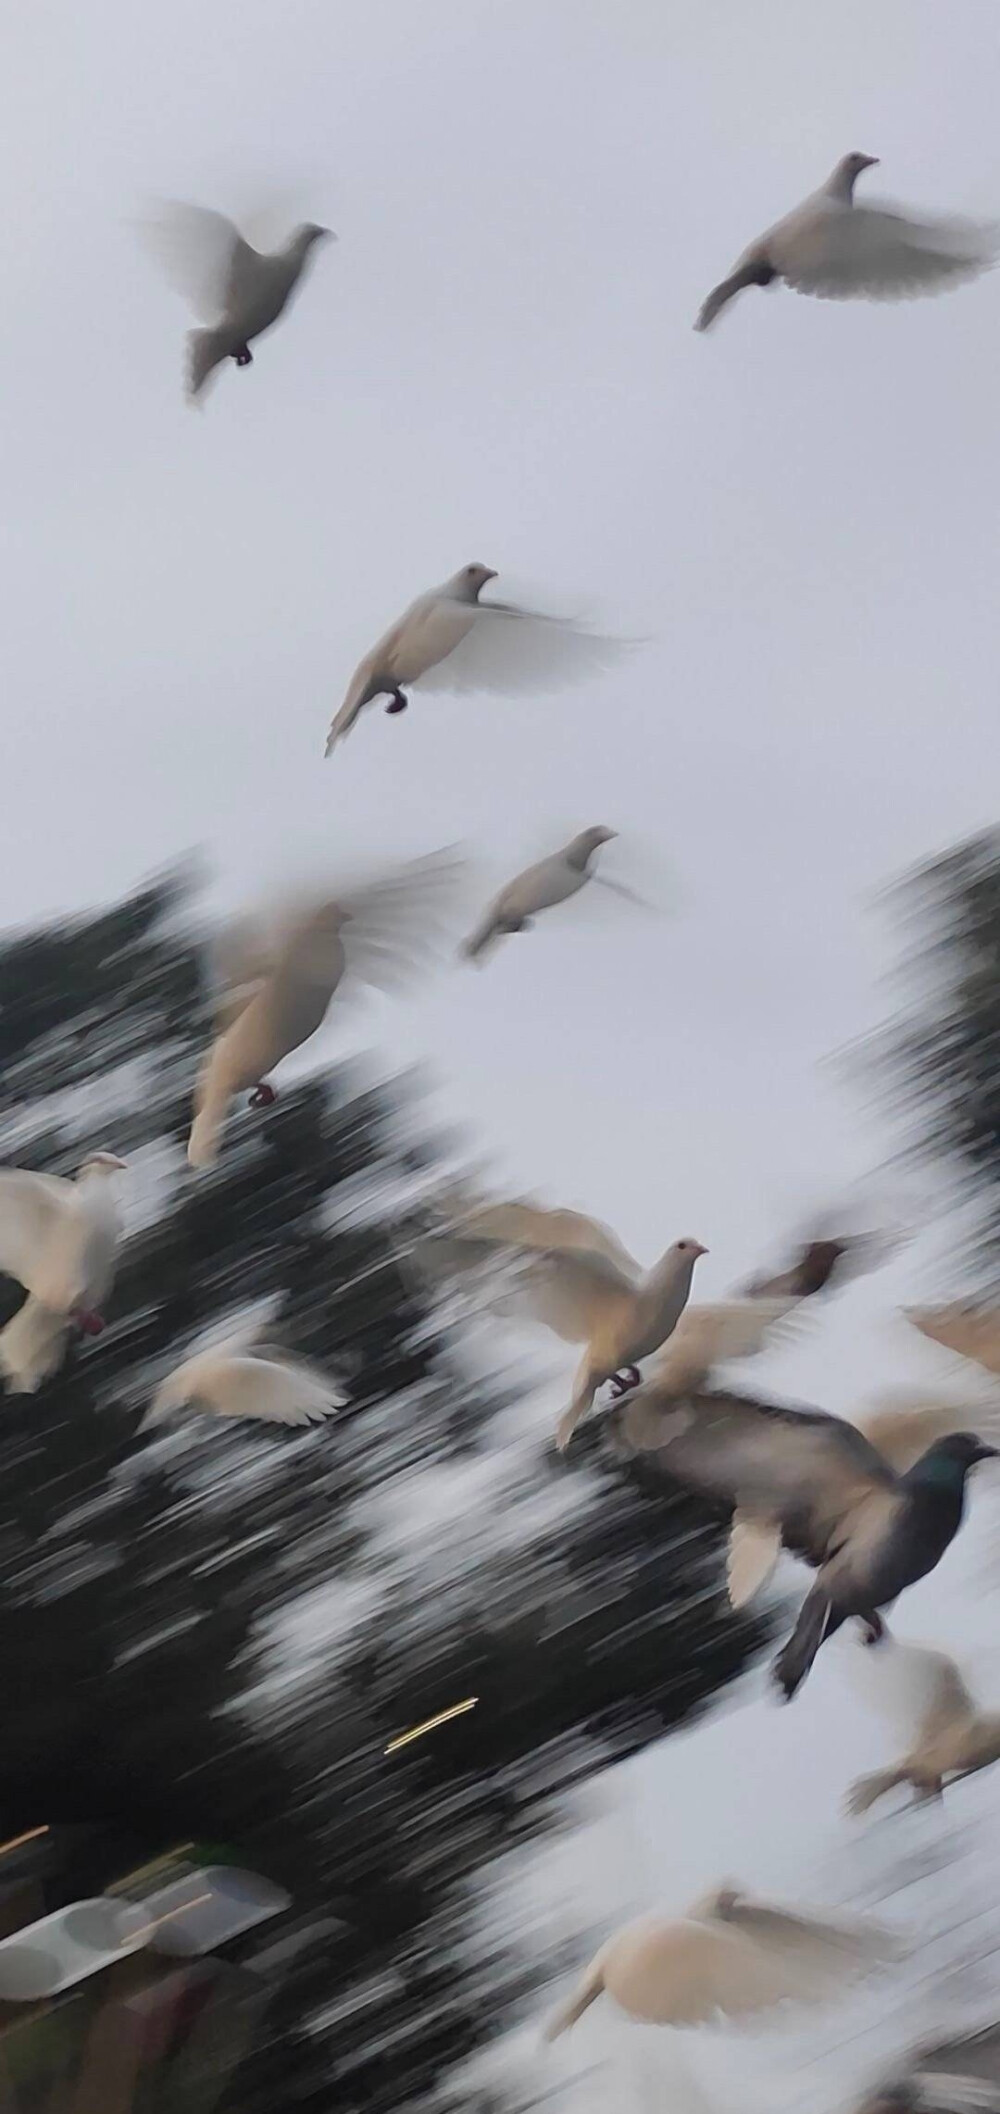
728, 1957
841, 251
552, 880
450, 641
578, 1280
242, 1377
280, 985
58, 1239
927, 1692
237, 291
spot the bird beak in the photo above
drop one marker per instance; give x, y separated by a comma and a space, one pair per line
988, 1453
699, 1250
868, 161
490, 575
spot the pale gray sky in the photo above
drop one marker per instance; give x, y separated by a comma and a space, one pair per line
496, 361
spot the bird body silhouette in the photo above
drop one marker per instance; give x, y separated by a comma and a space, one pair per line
814, 1485
950, 1736
58, 1238
240, 292
539, 887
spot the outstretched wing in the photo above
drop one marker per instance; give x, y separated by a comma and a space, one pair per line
707, 1336
516, 650
801, 1468
32, 1209
901, 1426
202, 254
971, 1332
918, 1688
876, 255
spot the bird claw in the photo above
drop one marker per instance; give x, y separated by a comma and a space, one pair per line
243, 357
397, 702
623, 1382
262, 1097
88, 1322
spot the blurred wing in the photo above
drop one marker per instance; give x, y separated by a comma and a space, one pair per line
707, 1336
942, 2094
202, 255
830, 1254
968, 1331
799, 1467
512, 649
809, 1957
398, 923
914, 1686
877, 255
754, 1549
522, 1224
32, 1208
264, 1386
574, 1293
901, 1427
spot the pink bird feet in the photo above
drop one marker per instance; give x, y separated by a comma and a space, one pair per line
622, 1382
88, 1322
262, 1097
398, 701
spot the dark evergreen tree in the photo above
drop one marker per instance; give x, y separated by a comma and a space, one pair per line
943, 1058
217, 1632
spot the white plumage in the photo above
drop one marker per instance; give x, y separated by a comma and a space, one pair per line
833, 248
58, 1239
279, 982
925, 1693
241, 1377
539, 887
447, 640
577, 1279
236, 290
729, 1957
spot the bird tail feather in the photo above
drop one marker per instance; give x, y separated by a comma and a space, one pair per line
816, 1620
754, 1549
206, 350
721, 295
31, 1346
587, 1991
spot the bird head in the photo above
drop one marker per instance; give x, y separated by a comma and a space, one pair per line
949, 1460
469, 583
855, 164
310, 232
598, 835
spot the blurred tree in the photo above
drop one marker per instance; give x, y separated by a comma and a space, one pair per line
219, 1633
945, 1054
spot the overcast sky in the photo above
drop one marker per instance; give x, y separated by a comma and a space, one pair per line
496, 361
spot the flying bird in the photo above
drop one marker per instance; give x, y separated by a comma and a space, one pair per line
552, 880
448, 640
814, 1485
925, 1690
58, 1239
840, 251
243, 1377
279, 985
236, 290
576, 1278
728, 1958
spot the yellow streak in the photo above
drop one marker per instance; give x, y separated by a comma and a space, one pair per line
457, 1710
168, 1915
16, 1840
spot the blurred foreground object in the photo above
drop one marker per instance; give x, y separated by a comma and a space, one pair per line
58, 1239
729, 1957
841, 251
925, 1692
242, 1377
238, 292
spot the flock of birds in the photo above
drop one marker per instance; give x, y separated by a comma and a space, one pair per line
872, 1506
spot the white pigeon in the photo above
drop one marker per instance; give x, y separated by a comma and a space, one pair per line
727, 1958
841, 251
926, 1693
450, 641
58, 1239
237, 291
242, 1377
579, 1281
552, 880
280, 984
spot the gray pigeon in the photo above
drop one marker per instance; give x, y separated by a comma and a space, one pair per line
236, 290
819, 1486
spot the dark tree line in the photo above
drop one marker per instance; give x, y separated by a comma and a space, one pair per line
141, 1576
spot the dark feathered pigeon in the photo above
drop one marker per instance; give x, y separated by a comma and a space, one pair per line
814, 1485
